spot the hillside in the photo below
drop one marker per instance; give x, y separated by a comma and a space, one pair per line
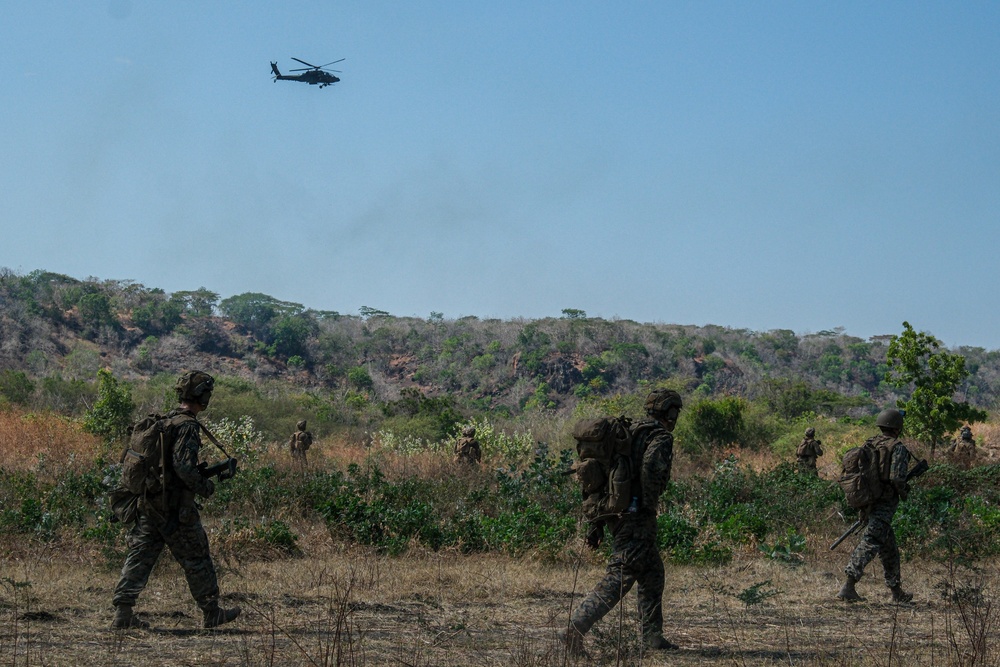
354, 371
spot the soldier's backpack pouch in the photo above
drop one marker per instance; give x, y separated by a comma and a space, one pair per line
124, 505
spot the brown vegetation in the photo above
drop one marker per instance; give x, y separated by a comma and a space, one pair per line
27, 438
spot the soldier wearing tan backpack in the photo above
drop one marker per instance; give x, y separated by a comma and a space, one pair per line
623, 470
874, 480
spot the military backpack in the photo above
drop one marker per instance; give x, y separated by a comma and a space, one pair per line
864, 473
800, 451
605, 469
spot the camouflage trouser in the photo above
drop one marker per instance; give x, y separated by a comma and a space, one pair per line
189, 546
878, 540
807, 467
634, 559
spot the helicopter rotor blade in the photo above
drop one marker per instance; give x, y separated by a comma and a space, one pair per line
305, 63
331, 63
302, 69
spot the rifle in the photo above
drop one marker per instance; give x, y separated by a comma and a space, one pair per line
847, 533
223, 470
914, 472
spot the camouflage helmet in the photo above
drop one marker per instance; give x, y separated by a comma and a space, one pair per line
661, 400
890, 418
468, 431
810, 432
966, 430
301, 425
195, 386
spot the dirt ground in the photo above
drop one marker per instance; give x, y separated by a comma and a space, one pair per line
337, 606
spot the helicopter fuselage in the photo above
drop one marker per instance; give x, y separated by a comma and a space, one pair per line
312, 77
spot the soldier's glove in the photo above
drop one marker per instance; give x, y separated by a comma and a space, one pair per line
595, 535
209, 489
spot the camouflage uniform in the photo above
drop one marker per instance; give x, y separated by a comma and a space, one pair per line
635, 557
963, 451
299, 443
467, 449
179, 529
807, 452
879, 539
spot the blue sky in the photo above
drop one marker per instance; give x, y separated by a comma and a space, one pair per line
772, 165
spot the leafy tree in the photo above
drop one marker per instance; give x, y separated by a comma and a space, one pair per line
917, 360
112, 412
359, 378
290, 335
16, 387
367, 312
95, 312
257, 312
198, 303
574, 314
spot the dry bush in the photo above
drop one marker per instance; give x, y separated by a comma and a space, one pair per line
26, 438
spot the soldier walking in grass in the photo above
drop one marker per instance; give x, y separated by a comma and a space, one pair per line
299, 443
168, 516
892, 460
807, 452
467, 449
635, 556
962, 452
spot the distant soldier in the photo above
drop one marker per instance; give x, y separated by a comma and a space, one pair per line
467, 449
878, 538
807, 452
963, 451
299, 443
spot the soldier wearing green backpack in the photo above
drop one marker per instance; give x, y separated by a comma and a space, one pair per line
635, 557
167, 516
887, 485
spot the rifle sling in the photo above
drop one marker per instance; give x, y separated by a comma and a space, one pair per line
214, 440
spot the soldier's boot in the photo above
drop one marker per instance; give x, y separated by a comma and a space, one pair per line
658, 643
900, 596
125, 619
573, 641
847, 592
216, 616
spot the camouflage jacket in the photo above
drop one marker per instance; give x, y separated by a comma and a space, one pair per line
300, 441
653, 445
186, 438
809, 450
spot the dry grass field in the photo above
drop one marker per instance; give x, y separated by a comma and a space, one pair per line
337, 604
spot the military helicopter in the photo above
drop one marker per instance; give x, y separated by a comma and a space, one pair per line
314, 74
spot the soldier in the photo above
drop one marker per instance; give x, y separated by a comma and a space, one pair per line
467, 449
807, 452
635, 557
878, 538
178, 525
963, 451
299, 443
